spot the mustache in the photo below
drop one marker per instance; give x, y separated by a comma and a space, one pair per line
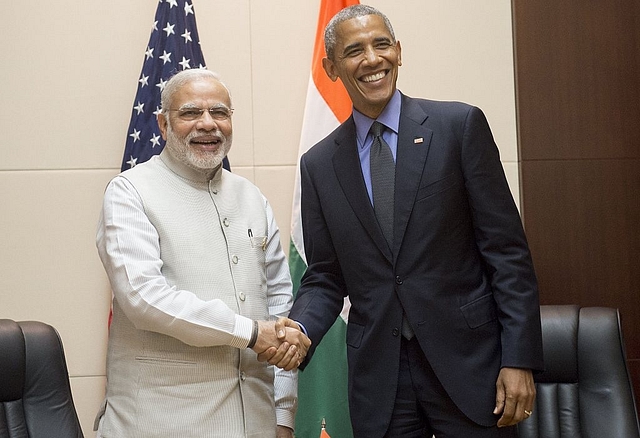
199, 133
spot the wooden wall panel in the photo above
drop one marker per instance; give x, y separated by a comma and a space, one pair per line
577, 77
578, 114
582, 223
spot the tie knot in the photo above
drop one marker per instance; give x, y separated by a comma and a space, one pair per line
377, 129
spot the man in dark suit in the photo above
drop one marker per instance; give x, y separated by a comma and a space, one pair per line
451, 261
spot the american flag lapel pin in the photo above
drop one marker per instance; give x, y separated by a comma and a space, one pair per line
418, 140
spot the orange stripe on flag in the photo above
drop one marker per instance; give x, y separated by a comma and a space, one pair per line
333, 93
324, 434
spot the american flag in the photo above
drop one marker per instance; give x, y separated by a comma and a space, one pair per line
173, 46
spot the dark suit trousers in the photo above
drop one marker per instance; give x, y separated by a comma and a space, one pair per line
423, 408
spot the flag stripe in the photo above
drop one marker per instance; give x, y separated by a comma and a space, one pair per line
333, 93
318, 121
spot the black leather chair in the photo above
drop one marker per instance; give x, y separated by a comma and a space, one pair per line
35, 395
585, 390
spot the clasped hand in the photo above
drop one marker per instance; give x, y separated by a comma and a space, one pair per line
281, 343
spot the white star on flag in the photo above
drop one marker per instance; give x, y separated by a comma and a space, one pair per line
139, 107
184, 63
155, 140
169, 29
161, 84
166, 57
132, 162
135, 135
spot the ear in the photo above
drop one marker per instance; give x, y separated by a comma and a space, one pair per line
162, 124
399, 50
330, 69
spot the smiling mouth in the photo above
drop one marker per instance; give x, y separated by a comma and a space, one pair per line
374, 77
206, 138
206, 142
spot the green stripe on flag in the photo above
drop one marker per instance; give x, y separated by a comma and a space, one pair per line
322, 386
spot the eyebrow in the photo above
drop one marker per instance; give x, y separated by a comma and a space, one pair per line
189, 106
194, 106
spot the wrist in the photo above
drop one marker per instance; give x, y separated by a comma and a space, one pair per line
254, 335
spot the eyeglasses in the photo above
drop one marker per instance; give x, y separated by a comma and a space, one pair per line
190, 114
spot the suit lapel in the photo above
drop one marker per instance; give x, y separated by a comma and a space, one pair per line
414, 140
346, 164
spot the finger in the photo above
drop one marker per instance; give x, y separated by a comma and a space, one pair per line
299, 339
282, 351
290, 359
291, 365
506, 405
499, 400
513, 413
267, 354
281, 323
296, 359
305, 340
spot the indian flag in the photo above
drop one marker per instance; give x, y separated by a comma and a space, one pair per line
322, 386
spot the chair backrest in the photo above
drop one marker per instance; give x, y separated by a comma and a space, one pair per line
585, 390
35, 394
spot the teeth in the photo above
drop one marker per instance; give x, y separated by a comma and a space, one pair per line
374, 77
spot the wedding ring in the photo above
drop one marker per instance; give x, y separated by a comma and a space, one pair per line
527, 413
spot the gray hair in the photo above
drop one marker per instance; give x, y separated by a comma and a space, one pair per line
180, 79
330, 34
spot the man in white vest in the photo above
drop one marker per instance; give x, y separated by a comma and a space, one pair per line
199, 277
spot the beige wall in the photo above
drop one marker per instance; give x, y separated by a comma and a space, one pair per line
68, 78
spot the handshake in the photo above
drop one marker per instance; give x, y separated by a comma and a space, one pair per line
281, 343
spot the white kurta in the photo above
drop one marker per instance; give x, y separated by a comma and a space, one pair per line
191, 264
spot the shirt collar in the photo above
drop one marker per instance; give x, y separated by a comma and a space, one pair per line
390, 117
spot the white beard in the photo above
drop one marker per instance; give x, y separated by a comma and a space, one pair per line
201, 161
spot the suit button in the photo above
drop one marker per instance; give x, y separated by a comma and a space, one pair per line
398, 280
395, 332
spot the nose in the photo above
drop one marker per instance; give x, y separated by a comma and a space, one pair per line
370, 55
207, 122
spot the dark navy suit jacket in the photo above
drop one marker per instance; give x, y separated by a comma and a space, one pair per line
460, 266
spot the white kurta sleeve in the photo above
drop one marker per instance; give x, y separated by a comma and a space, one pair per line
129, 247
279, 291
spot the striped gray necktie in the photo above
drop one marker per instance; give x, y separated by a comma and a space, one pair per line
383, 176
